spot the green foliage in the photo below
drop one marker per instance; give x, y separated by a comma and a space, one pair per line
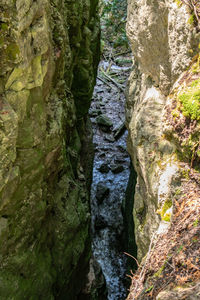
178, 191
180, 249
113, 18
195, 223
167, 218
186, 173
159, 272
175, 113
149, 289
179, 3
190, 100
191, 19
167, 205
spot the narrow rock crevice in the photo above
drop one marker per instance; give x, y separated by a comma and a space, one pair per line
111, 199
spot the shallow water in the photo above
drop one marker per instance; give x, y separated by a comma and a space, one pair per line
107, 219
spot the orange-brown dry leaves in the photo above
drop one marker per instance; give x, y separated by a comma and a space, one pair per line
175, 256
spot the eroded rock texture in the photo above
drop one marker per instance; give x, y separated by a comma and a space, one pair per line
48, 60
164, 38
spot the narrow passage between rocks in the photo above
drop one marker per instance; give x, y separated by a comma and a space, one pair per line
111, 172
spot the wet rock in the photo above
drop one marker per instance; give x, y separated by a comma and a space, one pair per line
99, 88
106, 148
101, 155
97, 105
95, 146
104, 168
119, 130
102, 192
100, 222
105, 129
109, 138
117, 168
104, 120
122, 149
94, 112
96, 284
120, 160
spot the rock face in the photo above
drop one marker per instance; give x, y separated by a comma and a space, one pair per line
162, 91
48, 58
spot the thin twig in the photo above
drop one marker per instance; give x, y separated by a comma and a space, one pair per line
192, 6
187, 3
108, 68
195, 12
104, 81
142, 273
132, 257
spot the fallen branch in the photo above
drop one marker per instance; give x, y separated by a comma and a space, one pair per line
122, 53
104, 81
132, 257
108, 69
140, 280
112, 80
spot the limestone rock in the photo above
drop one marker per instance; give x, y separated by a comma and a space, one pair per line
161, 39
47, 74
165, 46
96, 285
191, 293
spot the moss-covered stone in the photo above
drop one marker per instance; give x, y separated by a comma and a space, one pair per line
44, 196
190, 100
166, 211
184, 118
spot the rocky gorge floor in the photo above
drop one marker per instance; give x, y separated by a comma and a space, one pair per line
111, 171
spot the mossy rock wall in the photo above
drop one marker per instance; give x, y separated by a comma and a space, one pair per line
49, 51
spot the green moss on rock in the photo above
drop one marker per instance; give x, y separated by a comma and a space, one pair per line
44, 197
165, 211
190, 100
185, 117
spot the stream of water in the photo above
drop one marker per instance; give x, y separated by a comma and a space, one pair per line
110, 177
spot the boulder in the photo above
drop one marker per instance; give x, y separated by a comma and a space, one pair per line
104, 168
117, 168
100, 222
119, 130
102, 192
104, 121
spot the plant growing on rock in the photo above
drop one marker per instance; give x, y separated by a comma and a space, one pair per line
184, 116
194, 7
